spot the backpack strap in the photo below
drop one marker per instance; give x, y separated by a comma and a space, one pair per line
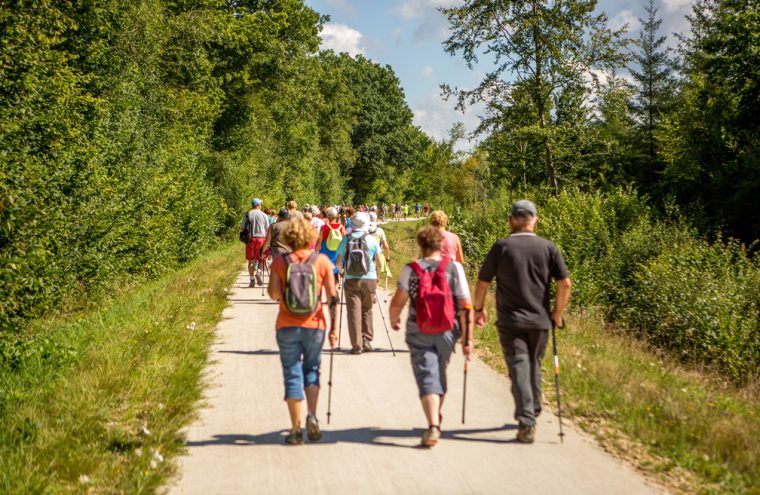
443, 264
417, 269
288, 259
312, 258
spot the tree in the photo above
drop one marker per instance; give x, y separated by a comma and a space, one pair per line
655, 87
541, 47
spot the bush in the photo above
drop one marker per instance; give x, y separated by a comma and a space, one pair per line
653, 275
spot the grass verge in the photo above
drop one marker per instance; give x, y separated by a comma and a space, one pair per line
691, 431
95, 402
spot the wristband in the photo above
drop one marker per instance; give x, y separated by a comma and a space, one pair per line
478, 310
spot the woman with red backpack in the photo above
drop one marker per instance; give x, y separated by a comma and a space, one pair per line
440, 312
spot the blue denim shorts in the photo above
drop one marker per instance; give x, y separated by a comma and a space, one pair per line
300, 356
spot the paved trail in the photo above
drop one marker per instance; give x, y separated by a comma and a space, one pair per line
371, 447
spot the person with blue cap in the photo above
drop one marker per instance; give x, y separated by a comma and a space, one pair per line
256, 223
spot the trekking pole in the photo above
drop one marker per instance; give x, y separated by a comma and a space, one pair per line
340, 318
556, 378
464, 387
385, 324
330, 385
386, 287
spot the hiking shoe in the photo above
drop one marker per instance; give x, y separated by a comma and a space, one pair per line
431, 436
367, 347
312, 428
252, 283
356, 350
259, 278
294, 438
526, 434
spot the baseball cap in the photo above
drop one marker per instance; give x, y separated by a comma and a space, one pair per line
284, 213
256, 201
523, 208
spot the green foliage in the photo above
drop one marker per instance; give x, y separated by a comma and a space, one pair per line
87, 400
656, 277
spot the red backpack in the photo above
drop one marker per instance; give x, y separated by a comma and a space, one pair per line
434, 305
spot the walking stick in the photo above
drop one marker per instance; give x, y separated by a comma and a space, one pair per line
340, 318
377, 298
329, 383
556, 379
464, 387
386, 287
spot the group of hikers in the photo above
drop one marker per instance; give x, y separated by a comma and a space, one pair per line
321, 253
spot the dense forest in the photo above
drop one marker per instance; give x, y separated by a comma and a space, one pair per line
135, 133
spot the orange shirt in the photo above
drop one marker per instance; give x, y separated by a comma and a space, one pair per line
316, 320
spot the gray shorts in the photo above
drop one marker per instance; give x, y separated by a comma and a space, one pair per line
430, 354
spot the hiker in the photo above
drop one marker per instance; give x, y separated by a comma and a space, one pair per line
440, 310
523, 265
426, 209
330, 236
451, 247
348, 215
379, 234
417, 209
274, 240
359, 249
293, 211
257, 225
296, 278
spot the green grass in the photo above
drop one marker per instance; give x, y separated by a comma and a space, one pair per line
692, 431
95, 401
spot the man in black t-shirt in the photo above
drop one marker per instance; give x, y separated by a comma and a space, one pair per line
524, 265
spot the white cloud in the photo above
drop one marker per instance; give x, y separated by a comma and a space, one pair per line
625, 17
436, 116
676, 5
427, 71
342, 38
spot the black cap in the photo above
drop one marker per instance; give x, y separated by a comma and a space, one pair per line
284, 213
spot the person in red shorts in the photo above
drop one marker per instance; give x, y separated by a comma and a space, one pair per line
257, 223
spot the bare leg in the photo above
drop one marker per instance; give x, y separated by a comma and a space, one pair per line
251, 268
431, 405
294, 408
312, 395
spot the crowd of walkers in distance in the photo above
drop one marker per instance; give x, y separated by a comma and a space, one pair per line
339, 253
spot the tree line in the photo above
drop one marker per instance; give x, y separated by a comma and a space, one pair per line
135, 133
572, 103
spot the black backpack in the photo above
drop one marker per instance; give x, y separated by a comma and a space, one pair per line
246, 235
358, 260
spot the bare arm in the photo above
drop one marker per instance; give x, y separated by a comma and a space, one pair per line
466, 323
268, 240
564, 288
397, 306
274, 289
460, 252
332, 305
481, 290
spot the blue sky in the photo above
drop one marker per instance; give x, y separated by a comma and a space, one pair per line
407, 35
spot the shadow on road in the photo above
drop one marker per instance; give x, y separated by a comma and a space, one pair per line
369, 436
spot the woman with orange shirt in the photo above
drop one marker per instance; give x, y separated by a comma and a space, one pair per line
300, 335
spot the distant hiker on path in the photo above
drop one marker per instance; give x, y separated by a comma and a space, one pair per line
524, 265
297, 281
451, 247
439, 312
359, 249
330, 236
256, 223
275, 241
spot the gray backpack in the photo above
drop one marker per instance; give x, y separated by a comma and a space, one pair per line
358, 260
301, 295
